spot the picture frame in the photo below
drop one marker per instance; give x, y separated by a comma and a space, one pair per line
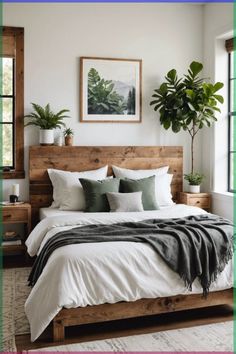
110, 90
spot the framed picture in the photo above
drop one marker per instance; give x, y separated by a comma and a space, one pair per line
110, 90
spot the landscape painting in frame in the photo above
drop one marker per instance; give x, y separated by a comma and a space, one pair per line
110, 90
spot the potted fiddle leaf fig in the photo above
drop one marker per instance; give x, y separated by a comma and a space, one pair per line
189, 103
47, 121
68, 134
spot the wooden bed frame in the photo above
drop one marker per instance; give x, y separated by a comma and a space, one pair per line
77, 158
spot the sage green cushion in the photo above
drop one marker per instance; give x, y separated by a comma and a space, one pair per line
144, 185
95, 193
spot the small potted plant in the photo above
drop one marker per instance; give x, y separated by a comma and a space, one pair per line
47, 121
194, 180
68, 134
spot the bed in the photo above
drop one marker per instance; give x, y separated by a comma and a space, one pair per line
159, 288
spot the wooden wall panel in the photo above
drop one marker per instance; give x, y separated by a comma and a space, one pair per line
82, 158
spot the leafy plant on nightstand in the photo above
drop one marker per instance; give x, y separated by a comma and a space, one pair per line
47, 121
194, 180
189, 103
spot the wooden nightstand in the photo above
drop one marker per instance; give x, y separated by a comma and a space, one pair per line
17, 214
201, 200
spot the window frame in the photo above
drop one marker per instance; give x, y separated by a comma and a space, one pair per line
231, 114
12, 97
18, 134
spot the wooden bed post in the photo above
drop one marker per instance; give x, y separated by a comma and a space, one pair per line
58, 331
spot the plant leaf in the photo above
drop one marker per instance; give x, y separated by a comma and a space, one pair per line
218, 86
172, 74
195, 68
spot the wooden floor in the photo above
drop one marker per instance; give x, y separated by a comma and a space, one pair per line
114, 329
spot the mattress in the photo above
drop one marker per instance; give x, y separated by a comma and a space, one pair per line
48, 212
98, 273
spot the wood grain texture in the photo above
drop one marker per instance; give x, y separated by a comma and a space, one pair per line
15, 37
201, 200
83, 158
17, 214
143, 307
229, 44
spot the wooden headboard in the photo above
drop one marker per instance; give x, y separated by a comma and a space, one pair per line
82, 158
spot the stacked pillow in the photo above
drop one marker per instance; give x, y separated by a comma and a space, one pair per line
162, 181
103, 196
68, 193
92, 191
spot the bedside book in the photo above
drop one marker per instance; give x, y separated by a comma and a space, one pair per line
11, 243
9, 203
11, 238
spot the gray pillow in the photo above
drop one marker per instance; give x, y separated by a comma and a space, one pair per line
125, 201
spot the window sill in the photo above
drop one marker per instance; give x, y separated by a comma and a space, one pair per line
13, 175
223, 195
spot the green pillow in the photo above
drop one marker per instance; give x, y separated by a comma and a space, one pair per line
144, 185
95, 193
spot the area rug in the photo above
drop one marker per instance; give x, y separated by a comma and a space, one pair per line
214, 338
15, 293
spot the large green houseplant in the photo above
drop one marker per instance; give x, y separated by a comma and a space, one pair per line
47, 121
189, 103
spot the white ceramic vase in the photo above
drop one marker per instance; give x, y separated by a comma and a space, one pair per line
194, 189
46, 136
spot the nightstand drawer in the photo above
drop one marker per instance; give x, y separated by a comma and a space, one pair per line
203, 202
9, 215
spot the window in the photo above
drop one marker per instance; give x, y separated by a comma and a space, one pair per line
231, 113
12, 101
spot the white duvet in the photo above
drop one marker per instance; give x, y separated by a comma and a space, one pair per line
97, 273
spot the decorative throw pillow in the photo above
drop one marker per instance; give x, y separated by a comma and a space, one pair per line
125, 201
67, 191
95, 193
144, 185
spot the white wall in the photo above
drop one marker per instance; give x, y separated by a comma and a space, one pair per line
218, 25
56, 35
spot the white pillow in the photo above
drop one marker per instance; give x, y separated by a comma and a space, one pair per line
120, 172
163, 190
68, 193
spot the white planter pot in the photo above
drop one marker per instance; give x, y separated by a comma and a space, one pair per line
46, 136
194, 189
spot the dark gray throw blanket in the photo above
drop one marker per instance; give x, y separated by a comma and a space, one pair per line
194, 246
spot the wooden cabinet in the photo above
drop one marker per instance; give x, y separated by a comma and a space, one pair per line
16, 214
201, 200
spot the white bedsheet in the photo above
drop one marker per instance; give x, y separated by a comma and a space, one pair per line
48, 212
97, 273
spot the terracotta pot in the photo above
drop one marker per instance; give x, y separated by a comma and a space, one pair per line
69, 140
46, 136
